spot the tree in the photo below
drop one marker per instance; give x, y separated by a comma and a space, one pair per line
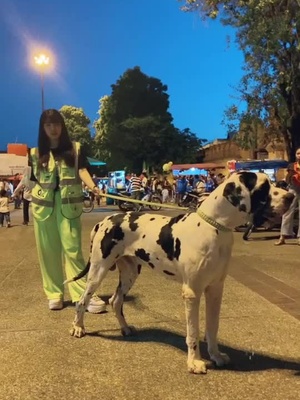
77, 124
135, 129
138, 95
104, 126
267, 31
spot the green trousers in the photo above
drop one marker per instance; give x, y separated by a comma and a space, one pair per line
58, 242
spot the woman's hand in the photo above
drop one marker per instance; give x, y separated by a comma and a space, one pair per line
96, 191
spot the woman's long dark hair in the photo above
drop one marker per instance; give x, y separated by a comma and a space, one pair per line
64, 149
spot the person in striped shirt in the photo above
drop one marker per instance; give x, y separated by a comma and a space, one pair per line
135, 188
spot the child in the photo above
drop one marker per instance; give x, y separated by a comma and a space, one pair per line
4, 208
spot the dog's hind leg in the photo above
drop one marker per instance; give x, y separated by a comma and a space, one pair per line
96, 275
128, 272
213, 297
192, 303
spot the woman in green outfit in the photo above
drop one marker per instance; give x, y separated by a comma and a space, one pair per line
58, 168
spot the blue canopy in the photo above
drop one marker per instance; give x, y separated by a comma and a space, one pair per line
261, 164
93, 161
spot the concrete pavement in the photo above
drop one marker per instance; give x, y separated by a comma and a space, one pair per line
259, 329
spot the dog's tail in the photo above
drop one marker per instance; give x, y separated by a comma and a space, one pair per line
87, 267
81, 274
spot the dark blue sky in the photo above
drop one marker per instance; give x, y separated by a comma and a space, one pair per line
94, 42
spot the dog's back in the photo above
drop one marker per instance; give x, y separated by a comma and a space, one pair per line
170, 245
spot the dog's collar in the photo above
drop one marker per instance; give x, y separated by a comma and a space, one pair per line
212, 222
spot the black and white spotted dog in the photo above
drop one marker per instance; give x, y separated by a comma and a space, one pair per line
193, 248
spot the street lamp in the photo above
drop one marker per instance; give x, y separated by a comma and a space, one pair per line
42, 61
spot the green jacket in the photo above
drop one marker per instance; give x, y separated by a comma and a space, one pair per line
70, 188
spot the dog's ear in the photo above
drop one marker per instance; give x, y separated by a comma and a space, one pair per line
249, 179
233, 193
260, 198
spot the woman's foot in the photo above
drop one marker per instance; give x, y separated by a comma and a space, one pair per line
280, 241
96, 305
56, 304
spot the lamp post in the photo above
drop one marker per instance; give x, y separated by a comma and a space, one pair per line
42, 61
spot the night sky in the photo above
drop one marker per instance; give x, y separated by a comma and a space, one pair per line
93, 42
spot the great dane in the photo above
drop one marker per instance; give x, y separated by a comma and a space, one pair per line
193, 248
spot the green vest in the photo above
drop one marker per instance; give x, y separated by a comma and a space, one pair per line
44, 190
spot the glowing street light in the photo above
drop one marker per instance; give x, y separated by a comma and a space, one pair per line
42, 61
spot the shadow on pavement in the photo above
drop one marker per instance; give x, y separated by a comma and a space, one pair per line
262, 238
242, 361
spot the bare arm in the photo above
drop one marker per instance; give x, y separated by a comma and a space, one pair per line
18, 188
23, 182
88, 181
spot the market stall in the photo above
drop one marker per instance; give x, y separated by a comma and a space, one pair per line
269, 167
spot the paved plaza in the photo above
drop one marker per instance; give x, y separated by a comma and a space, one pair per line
259, 329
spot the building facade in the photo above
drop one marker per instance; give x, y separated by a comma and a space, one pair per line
222, 151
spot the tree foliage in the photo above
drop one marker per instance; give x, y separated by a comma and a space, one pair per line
135, 128
267, 31
77, 124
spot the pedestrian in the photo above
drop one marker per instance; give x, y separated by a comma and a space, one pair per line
17, 199
25, 186
145, 189
220, 179
200, 186
136, 189
165, 195
4, 209
287, 223
182, 183
58, 167
6, 186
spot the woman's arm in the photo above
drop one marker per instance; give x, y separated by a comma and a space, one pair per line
18, 188
88, 181
23, 182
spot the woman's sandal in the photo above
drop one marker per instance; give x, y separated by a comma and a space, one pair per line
281, 241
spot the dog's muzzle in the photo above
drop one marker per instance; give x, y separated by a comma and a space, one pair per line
287, 200
269, 213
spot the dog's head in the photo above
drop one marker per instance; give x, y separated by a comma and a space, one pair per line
254, 195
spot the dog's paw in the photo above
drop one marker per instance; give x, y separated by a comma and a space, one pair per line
197, 367
77, 331
128, 331
220, 359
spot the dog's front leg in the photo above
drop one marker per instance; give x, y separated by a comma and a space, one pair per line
213, 298
192, 303
77, 329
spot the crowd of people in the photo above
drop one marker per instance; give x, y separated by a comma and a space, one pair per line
9, 194
140, 185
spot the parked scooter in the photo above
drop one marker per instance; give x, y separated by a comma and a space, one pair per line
130, 206
193, 200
